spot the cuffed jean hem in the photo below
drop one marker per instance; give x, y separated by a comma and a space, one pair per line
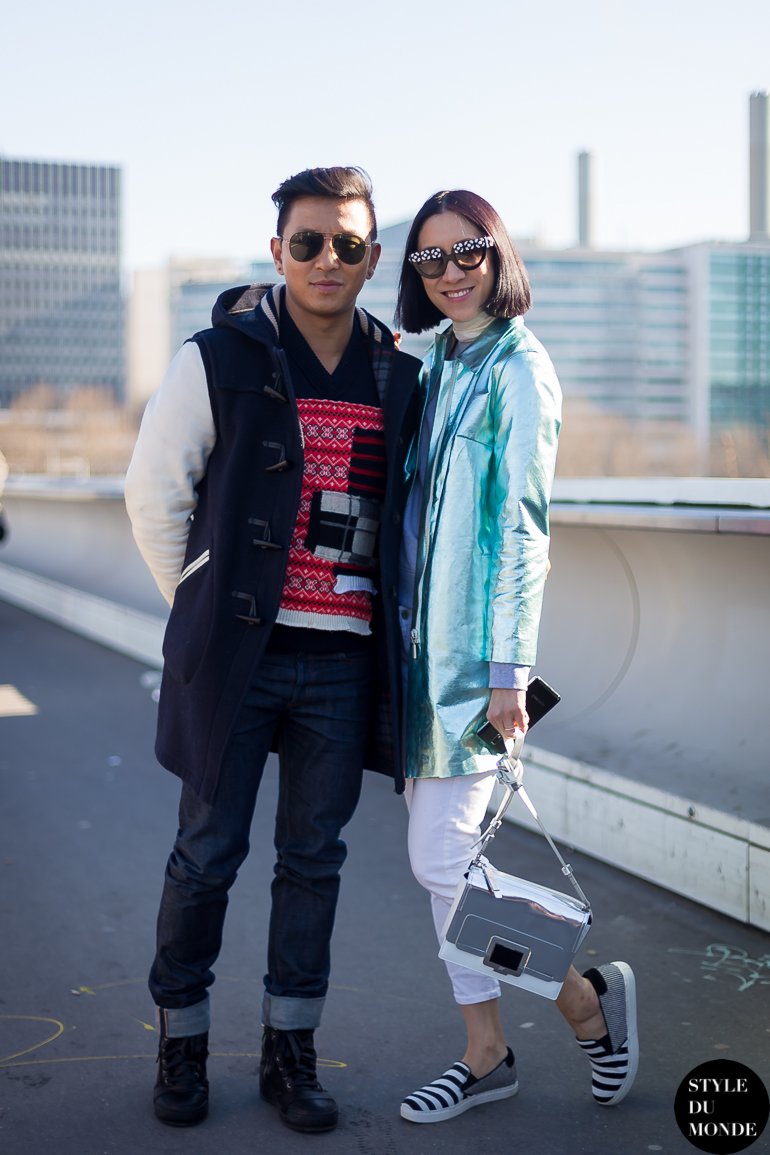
180, 1023
284, 1014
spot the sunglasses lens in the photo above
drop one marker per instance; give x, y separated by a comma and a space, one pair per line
470, 258
428, 265
306, 245
349, 248
432, 267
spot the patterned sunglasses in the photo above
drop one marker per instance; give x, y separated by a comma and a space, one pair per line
466, 255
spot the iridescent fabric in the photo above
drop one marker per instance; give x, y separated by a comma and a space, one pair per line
483, 549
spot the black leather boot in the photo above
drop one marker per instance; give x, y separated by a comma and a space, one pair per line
181, 1096
287, 1079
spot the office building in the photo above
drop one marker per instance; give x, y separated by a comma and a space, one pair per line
616, 326
729, 356
678, 338
61, 312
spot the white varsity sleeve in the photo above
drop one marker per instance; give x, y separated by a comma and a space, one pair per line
175, 441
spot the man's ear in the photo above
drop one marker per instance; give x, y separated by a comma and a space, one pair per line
374, 257
276, 250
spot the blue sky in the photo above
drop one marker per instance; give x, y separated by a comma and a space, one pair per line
208, 107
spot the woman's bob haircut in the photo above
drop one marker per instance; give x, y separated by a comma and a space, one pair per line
511, 296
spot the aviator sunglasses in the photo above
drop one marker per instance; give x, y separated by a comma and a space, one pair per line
466, 255
307, 244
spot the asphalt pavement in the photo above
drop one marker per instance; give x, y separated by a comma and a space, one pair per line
86, 821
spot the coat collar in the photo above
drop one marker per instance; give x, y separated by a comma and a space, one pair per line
501, 331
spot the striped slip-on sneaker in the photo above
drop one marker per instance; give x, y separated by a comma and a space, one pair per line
615, 1058
457, 1090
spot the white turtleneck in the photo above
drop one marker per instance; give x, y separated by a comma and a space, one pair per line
467, 331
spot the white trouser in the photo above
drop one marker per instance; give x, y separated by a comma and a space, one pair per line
445, 817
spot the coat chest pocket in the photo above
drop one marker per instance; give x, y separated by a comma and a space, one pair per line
471, 464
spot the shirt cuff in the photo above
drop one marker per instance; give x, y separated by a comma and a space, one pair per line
503, 676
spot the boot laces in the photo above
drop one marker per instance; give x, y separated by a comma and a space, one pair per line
181, 1060
296, 1054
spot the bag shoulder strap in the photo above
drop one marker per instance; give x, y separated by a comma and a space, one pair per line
510, 773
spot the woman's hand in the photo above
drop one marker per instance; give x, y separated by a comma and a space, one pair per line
507, 710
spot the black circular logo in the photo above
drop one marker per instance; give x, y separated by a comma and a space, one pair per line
721, 1107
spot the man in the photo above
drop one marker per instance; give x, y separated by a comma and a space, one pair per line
256, 492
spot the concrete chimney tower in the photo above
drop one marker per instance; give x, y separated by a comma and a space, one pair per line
585, 201
759, 167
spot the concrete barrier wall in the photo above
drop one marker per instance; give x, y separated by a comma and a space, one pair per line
659, 641
656, 631
79, 535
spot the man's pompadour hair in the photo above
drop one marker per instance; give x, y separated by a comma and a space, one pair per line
339, 183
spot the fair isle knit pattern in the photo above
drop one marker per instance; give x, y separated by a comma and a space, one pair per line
332, 556
615, 1058
457, 1090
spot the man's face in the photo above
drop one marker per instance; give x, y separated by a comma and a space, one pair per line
324, 286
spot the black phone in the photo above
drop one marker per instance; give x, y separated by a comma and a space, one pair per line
540, 699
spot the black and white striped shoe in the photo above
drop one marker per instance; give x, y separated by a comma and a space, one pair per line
615, 1058
457, 1090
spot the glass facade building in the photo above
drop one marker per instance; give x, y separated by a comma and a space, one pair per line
616, 326
61, 310
739, 335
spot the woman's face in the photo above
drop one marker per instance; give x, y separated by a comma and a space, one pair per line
459, 294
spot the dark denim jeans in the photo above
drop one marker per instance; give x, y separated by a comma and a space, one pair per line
320, 707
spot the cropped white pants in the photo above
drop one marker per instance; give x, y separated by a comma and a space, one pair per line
445, 817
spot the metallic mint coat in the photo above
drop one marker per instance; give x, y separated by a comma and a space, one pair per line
483, 547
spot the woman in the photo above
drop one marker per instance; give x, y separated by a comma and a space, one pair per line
473, 567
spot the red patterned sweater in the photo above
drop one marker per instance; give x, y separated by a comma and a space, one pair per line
333, 552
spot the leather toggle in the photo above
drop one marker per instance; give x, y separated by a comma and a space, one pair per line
280, 450
264, 541
277, 391
250, 618
274, 392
